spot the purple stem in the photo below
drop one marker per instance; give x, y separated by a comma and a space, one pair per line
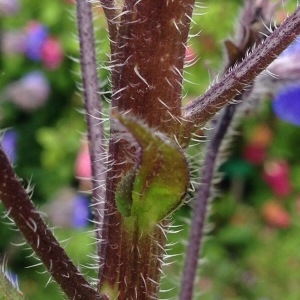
199, 111
39, 236
93, 114
210, 164
201, 201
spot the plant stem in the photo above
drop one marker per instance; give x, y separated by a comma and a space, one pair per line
201, 202
111, 13
93, 114
251, 14
199, 111
147, 81
39, 236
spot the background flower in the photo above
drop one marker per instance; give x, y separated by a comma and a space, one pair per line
9, 7
277, 176
36, 35
69, 209
81, 212
9, 144
30, 92
275, 215
51, 53
13, 42
286, 105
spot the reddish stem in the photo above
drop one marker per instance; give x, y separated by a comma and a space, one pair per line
199, 111
147, 71
39, 236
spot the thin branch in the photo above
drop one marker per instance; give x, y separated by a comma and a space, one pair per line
212, 155
199, 111
201, 202
93, 110
39, 236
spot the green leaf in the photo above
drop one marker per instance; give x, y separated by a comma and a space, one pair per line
161, 176
123, 193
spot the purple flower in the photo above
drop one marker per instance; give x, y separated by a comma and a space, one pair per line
30, 92
9, 7
69, 208
287, 67
293, 48
36, 37
286, 105
81, 211
13, 42
9, 143
282, 74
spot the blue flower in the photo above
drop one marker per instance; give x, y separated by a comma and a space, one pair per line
81, 211
293, 48
286, 105
9, 143
36, 37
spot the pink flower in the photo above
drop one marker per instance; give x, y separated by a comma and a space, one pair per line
276, 175
83, 163
83, 170
275, 215
52, 53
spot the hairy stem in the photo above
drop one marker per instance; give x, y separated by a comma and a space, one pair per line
236, 52
199, 111
111, 12
147, 81
39, 236
93, 111
201, 202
